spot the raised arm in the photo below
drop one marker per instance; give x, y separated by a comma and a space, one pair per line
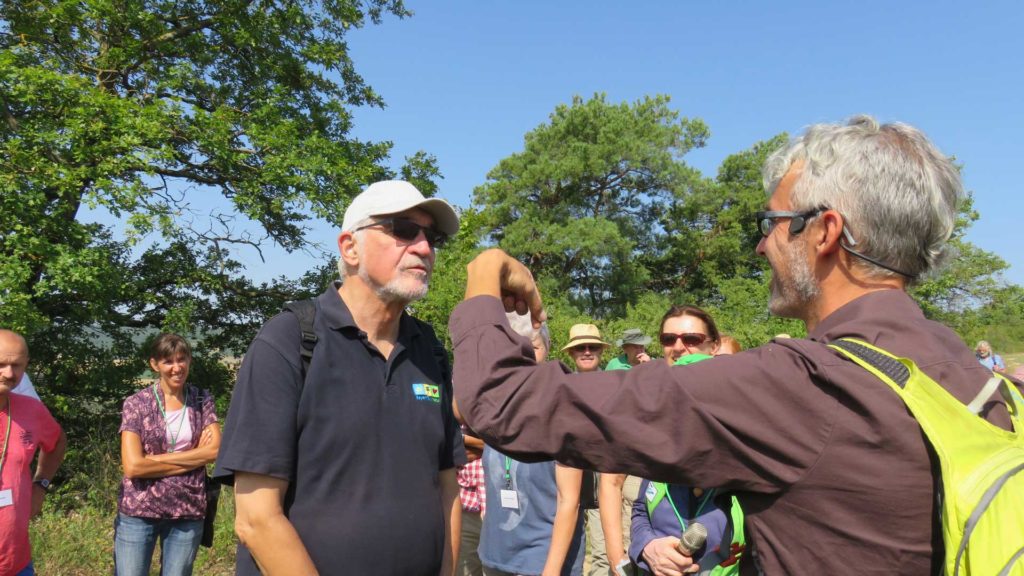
264, 529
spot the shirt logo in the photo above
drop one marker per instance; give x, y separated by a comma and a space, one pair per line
428, 392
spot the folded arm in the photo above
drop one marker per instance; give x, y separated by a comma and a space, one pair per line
137, 464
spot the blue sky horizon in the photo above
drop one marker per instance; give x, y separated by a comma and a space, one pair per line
466, 81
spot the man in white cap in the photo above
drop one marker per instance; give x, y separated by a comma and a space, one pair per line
344, 463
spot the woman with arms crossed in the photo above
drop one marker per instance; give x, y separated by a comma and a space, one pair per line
169, 433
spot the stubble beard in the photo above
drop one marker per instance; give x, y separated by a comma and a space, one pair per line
792, 294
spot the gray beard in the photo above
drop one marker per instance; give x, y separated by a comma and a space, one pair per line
393, 291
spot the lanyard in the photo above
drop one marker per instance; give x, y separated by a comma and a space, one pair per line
7, 436
508, 473
181, 421
700, 507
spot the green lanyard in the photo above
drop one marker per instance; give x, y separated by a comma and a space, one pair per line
181, 422
7, 436
700, 507
508, 473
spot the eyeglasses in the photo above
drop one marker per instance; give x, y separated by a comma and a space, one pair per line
589, 348
408, 231
797, 220
690, 339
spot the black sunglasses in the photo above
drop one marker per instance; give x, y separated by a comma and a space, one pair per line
690, 339
589, 348
797, 220
408, 231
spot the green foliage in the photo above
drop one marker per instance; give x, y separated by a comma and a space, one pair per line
588, 194
202, 128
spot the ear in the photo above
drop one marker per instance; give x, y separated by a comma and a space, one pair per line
830, 232
348, 248
153, 364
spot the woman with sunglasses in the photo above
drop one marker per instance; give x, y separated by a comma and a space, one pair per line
687, 330
663, 511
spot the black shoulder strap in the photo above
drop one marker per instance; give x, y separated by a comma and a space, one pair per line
305, 312
885, 364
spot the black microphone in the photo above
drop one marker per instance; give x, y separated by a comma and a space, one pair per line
692, 539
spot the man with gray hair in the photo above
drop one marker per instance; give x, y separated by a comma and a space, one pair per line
343, 455
832, 471
988, 358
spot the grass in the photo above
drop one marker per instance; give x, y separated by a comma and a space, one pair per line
81, 542
1013, 361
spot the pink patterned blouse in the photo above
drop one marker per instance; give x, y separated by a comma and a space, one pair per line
179, 497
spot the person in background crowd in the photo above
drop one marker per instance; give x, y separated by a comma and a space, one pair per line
348, 464
25, 388
533, 525
728, 345
585, 348
26, 427
169, 433
988, 358
634, 350
616, 492
666, 510
687, 330
833, 472
473, 497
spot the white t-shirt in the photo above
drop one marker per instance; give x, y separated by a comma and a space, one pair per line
25, 388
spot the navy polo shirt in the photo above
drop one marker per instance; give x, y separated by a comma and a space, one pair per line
361, 443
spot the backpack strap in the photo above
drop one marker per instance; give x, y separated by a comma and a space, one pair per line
305, 312
872, 357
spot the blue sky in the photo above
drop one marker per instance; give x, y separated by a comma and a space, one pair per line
466, 80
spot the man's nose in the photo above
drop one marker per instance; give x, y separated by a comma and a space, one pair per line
420, 244
760, 246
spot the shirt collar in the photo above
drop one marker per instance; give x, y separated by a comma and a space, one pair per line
859, 318
337, 315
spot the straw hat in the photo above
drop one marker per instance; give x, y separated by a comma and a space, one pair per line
584, 334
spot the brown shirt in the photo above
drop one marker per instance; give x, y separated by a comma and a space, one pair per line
830, 468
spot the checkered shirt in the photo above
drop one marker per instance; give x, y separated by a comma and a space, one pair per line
471, 487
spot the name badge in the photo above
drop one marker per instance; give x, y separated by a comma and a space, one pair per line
509, 499
6, 498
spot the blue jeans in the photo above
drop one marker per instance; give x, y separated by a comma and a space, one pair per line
27, 570
135, 538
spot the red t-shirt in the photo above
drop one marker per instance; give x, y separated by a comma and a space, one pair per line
32, 427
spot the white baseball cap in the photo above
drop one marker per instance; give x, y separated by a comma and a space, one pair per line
393, 196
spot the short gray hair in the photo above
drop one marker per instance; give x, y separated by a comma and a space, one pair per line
897, 193
522, 325
344, 270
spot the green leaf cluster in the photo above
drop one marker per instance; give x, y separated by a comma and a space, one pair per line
203, 127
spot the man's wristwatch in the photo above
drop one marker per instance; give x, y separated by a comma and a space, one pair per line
42, 483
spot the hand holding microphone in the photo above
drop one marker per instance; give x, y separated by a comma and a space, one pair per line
670, 557
693, 539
